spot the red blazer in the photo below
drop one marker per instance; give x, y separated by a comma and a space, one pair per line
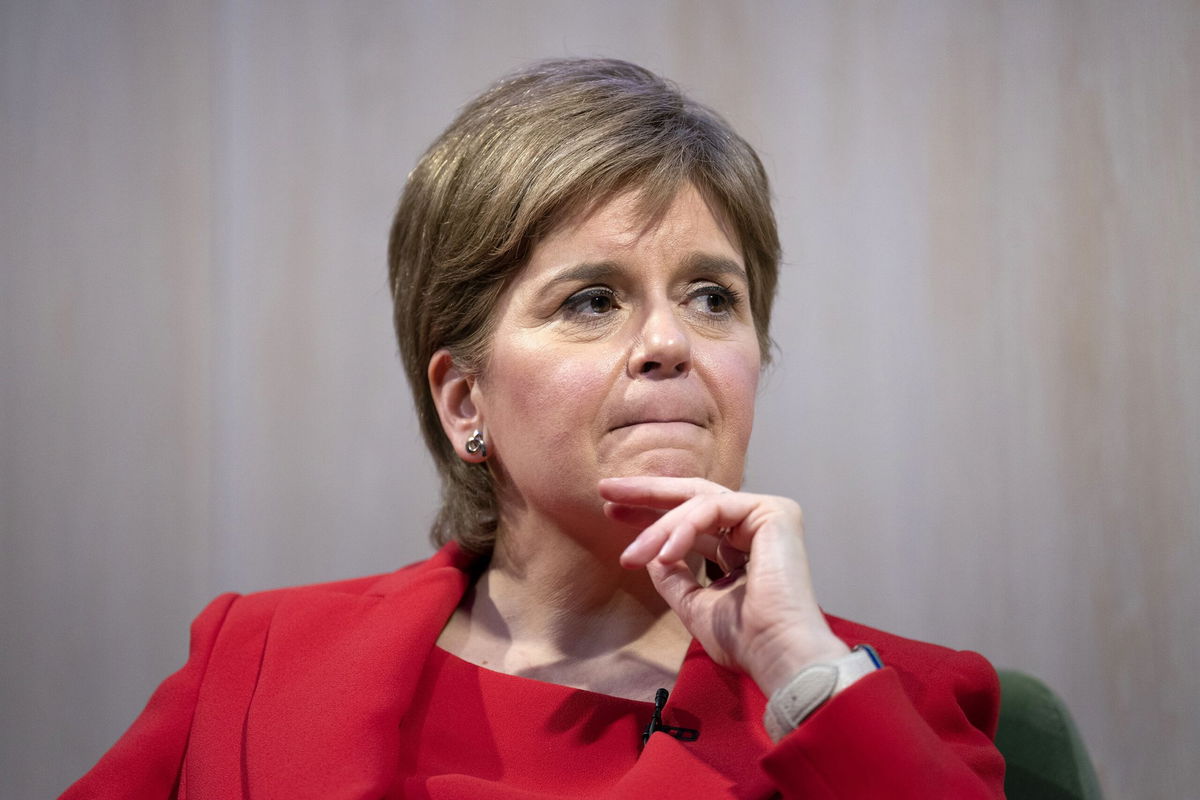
299, 693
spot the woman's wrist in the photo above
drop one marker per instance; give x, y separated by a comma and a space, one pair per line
791, 704
776, 664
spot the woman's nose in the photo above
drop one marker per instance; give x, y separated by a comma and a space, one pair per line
663, 349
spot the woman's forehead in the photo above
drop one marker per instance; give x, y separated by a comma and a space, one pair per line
633, 216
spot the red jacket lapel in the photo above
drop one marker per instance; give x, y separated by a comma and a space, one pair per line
318, 714
726, 708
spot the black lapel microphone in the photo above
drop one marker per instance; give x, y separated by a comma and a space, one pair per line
656, 723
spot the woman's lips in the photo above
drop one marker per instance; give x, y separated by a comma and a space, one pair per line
658, 422
662, 431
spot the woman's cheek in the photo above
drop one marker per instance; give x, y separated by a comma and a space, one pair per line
552, 395
733, 373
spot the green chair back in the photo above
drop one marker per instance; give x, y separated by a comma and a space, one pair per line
1044, 754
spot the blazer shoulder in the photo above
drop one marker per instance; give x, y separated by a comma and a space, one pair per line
924, 668
263, 603
911, 655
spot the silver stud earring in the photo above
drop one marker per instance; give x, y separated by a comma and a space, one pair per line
476, 446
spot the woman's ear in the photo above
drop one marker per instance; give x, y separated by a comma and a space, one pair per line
452, 394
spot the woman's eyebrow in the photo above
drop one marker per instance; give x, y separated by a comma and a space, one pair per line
710, 264
694, 263
585, 272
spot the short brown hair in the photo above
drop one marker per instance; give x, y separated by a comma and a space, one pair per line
541, 144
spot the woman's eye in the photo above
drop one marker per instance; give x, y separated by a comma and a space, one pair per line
716, 300
593, 302
598, 303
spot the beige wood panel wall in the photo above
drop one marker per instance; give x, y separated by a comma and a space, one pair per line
987, 391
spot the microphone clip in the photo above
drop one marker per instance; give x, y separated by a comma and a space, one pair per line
656, 723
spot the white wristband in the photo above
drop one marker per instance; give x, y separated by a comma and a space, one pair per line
802, 695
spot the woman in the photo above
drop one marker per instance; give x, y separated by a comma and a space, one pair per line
583, 267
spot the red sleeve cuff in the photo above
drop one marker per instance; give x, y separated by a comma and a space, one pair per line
870, 741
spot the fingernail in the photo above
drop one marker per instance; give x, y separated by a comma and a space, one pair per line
727, 579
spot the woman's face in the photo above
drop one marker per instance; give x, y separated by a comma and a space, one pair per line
621, 349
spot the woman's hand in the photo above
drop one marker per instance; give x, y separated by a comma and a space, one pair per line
762, 616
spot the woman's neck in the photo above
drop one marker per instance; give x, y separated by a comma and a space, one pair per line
550, 608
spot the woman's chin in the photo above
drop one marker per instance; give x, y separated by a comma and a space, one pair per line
669, 463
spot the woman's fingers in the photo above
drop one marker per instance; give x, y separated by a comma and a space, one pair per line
677, 532
706, 544
728, 557
762, 616
642, 501
674, 582
654, 491
634, 516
